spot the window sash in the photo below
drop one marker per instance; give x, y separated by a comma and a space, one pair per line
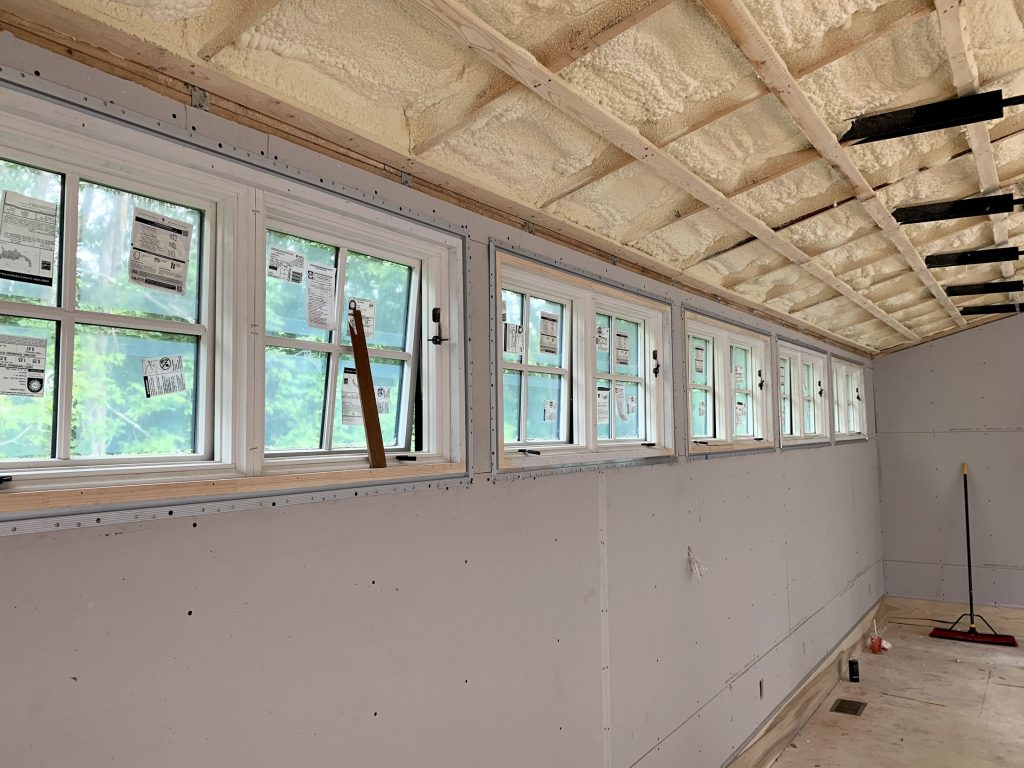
805, 374
67, 317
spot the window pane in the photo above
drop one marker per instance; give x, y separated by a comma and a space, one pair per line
837, 409
26, 422
111, 415
743, 421
700, 361
808, 383
387, 374
810, 428
701, 413
602, 416
294, 399
627, 347
627, 407
512, 393
741, 367
39, 185
604, 343
786, 390
286, 300
512, 313
104, 243
544, 406
389, 285
547, 319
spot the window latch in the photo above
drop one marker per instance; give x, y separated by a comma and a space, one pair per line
700, 442
6, 479
857, 390
760, 379
529, 452
648, 445
821, 390
405, 457
436, 339
657, 365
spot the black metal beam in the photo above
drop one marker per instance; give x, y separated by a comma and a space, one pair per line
991, 309
927, 117
964, 258
955, 209
973, 289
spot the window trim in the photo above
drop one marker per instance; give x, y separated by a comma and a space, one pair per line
724, 336
823, 409
46, 136
839, 400
587, 294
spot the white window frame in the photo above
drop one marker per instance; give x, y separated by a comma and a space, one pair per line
848, 398
724, 337
231, 195
431, 261
818, 396
219, 201
584, 298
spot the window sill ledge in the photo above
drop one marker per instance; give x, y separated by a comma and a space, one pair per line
810, 442
751, 446
512, 461
127, 494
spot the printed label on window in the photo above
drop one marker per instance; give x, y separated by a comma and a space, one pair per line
739, 372
702, 408
28, 237
351, 405
620, 401
631, 405
550, 410
383, 395
549, 333
320, 296
515, 341
741, 411
286, 265
22, 365
368, 309
160, 251
163, 375
602, 405
698, 359
603, 332
621, 348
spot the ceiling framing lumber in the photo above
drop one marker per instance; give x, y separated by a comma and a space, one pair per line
522, 65
65, 31
609, 27
222, 24
669, 132
965, 79
736, 21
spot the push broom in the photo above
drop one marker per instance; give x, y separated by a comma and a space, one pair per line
972, 635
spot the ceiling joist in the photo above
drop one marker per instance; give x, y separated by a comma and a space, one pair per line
736, 21
525, 68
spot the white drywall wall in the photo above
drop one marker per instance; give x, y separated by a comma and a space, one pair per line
439, 628
954, 400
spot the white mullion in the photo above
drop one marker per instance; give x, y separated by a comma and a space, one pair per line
66, 340
330, 395
256, 338
524, 378
309, 346
417, 314
129, 322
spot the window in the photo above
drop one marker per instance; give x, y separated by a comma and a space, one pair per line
801, 394
728, 385
848, 405
314, 270
106, 295
584, 369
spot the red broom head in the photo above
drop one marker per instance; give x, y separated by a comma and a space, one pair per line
974, 637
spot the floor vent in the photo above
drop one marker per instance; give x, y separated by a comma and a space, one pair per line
849, 707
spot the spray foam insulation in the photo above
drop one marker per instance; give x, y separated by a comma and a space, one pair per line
391, 72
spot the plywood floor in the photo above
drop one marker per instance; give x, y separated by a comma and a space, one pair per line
930, 702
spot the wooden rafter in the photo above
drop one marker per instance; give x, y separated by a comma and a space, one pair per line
71, 33
673, 129
524, 67
612, 24
221, 25
965, 78
736, 20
